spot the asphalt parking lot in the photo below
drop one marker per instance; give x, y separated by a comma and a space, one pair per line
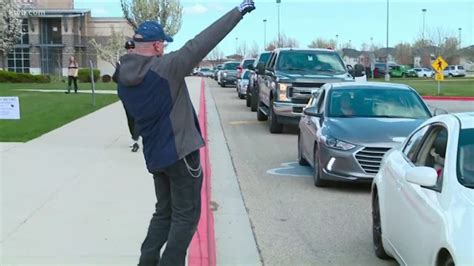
294, 222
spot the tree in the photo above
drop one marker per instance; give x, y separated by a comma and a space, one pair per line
215, 55
254, 50
404, 54
10, 28
167, 12
113, 49
285, 42
243, 49
322, 43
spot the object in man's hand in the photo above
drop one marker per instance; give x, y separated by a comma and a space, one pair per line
246, 7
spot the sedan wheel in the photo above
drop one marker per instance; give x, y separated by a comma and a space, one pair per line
377, 230
317, 170
301, 159
247, 99
448, 262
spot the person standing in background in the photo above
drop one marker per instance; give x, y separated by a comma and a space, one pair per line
129, 46
73, 72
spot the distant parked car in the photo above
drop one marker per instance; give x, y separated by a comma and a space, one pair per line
454, 71
398, 71
244, 64
205, 72
420, 72
242, 84
423, 195
348, 127
216, 71
252, 90
228, 74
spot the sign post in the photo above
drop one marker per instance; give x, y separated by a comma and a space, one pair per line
92, 82
439, 65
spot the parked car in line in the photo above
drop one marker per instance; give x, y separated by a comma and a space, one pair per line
228, 74
348, 127
242, 84
216, 71
244, 64
288, 79
379, 69
252, 91
423, 195
398, 71
205, 72
454, 71
420, 72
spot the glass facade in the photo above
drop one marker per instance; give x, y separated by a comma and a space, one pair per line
19, 59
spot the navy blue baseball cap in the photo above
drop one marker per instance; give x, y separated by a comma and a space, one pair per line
151, 31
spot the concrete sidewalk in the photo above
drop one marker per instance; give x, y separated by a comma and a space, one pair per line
78, 196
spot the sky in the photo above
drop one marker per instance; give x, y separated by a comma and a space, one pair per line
355, 21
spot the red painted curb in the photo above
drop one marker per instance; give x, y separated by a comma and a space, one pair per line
448, 98
202, 250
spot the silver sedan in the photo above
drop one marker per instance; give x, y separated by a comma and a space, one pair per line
347, 128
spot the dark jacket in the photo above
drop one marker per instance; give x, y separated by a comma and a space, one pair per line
154, 91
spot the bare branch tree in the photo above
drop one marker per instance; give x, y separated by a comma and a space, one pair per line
254, 50
10, 28
404, 54
113, 49
286, 42
243, 49
167, 12
215, 55
322, 43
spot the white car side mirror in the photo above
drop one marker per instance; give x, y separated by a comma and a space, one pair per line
423, 176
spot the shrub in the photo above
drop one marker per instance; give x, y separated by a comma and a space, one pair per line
6, 76
106, 78
85, 75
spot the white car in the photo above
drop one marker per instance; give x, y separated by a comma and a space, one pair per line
454, 71
243, 84
423, 72
423, 195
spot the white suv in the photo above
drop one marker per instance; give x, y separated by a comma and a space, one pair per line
454, 71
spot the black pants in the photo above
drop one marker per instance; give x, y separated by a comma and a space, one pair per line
177, 212
70, 80
132, 127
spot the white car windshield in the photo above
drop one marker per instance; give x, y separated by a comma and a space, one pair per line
377, 102
465, 158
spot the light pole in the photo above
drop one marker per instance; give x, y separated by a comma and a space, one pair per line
387, 74
423, 36
279, 36
264, 34
459, 40
337, 37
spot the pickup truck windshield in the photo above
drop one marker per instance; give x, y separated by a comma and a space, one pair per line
311, 61
231, 66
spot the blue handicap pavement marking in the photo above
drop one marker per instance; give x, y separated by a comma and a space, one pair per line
292, 169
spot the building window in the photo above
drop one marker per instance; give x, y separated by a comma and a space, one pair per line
19, 60
24, 32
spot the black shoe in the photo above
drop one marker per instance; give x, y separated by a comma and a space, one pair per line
135, 147
67, 92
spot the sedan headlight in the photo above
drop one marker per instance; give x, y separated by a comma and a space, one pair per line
224, 74
282, 91
339, 144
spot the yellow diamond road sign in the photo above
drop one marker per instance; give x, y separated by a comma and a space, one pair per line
439, 64
439, 76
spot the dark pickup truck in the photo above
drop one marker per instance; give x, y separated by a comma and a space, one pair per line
287, 80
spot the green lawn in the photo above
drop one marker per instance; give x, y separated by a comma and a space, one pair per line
42, 112
58, 86
449, 87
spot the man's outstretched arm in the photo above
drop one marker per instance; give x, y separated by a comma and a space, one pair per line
185, 59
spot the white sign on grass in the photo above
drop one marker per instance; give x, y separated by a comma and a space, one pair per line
9, 107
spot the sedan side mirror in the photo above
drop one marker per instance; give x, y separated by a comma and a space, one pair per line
312, 111
250, 67
423, 176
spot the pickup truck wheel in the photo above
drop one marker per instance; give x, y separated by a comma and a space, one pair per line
260, 115
247, 99
254, 102
275, 127
241, 96
222, 84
